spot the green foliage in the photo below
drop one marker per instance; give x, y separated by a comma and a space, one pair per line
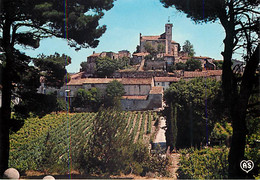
38, 104
83, 66
218, 64
153, 50
178, 66
113, 93
150, 49
190, 98
192, 65
160, 48
172, 130
87, 99
148, 57
108, 144
49, 138
106, 66
220, 134
52, 71
52, 68
61, 104
252, 150
25, 23
188, 48
123, 63
35, 127
209, 163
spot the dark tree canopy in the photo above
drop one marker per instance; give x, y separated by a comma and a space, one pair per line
240, 20
48, 18
83, 66
25, 23
90, 99
189, 97
105, 66
114, 91
52, 68
192, 65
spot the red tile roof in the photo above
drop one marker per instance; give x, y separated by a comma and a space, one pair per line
136, 81
95, 55
150, 37
215, 72
166, 79
125, 81
156, 90
191, 74
135, 97
141, 54
77, 75
78, 82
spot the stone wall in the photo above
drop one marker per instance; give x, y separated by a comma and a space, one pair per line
154, 65
139, 74
138, 89
153, 101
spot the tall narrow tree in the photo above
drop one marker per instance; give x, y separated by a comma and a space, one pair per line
188, 48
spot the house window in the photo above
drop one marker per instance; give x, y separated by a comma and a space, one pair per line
163, 83
92, 85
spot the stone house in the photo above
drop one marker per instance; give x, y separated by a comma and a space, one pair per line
151, 101
87, 84
140, 93
91, 60
132, 86
138, 74
157, 64
165, 82
137, 86
214, 74
138, 57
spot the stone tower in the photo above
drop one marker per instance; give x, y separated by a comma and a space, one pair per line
168, 36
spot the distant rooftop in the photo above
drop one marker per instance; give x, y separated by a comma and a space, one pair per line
166, 79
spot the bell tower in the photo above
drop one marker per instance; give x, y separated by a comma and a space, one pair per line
168, 36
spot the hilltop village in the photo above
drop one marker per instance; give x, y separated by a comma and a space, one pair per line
149, 72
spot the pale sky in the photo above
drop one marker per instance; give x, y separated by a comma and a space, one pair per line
127, 19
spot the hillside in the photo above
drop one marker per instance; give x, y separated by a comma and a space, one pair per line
56, 133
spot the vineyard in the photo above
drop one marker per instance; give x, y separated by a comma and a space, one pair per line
56, 133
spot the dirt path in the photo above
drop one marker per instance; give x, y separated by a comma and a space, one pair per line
160, 137
174, 159
141, 67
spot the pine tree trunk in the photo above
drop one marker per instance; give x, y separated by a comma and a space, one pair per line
5, 112
4, 121
238, 115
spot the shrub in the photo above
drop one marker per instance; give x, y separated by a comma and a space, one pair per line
209, 163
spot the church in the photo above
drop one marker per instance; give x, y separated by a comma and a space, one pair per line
171, 47
165, 57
